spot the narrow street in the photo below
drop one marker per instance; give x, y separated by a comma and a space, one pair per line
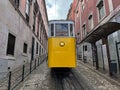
42, 79
62, 31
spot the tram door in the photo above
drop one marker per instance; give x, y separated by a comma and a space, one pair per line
118, 53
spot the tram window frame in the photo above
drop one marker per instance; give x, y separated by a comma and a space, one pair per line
51, 29
71, 30
57, 32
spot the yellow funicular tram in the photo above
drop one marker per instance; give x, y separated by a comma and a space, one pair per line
61, 44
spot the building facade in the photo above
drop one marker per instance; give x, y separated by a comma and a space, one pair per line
23, 32
100, 34
71, 14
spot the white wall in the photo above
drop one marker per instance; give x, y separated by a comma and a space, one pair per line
11, 22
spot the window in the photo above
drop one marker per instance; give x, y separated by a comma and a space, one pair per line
32, 50
40, 50
34, 21
84, 30
90, 22
83, 4
11, 44
85, 48
41, 28
71, 29
36, 47
25, 48
52, 29
101, 9
77, 11
27, 11
38, 23
78, 33
17, 2
61, 29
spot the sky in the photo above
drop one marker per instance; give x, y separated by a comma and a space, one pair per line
57, 9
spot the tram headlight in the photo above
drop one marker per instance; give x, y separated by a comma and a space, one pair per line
62, 44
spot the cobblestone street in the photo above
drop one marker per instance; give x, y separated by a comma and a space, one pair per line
60, 45
97, 81
37, 80
40, 79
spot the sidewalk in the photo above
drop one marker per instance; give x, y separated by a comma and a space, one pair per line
97, 79
37, 80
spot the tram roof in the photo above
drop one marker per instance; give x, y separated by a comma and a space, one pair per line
61, 21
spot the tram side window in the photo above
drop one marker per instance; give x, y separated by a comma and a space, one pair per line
61, 29
52, 29
71, 29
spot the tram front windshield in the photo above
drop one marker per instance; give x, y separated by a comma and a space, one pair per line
61, 29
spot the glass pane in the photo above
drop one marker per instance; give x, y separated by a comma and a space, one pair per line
52, 29
71, 29
25, 48
61, 29
11, 44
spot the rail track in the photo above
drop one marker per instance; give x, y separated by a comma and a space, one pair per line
68, 79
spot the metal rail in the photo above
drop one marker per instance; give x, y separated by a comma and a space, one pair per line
57, 78
66, 79
75, 81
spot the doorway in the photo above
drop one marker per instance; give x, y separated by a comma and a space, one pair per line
118, 53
